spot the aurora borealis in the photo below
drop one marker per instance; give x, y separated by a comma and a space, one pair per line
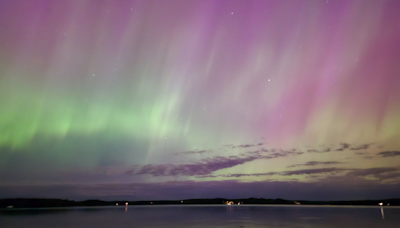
175, 99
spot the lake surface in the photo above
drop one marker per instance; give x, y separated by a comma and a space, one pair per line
243, 216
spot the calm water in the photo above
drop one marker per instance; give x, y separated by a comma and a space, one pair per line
203, 216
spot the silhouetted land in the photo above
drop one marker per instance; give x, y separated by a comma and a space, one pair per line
40, 203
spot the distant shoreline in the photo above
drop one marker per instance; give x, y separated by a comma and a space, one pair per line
14, 203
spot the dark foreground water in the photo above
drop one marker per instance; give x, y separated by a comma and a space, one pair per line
203, 216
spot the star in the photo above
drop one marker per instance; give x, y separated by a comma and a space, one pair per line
269, 80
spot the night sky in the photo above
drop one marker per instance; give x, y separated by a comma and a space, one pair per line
177, 99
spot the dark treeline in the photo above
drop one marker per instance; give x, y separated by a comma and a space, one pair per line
40, 203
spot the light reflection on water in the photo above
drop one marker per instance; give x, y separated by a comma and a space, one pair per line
245, 216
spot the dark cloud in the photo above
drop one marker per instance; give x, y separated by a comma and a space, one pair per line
380, 173
310, 171
362, 147
244, 175
205, 166
343, 146
194, 152
202, 167
250, 145
246, 145
285, 173
389, 175
314, 163
243, 145
389, 153
319, 151
360, 174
